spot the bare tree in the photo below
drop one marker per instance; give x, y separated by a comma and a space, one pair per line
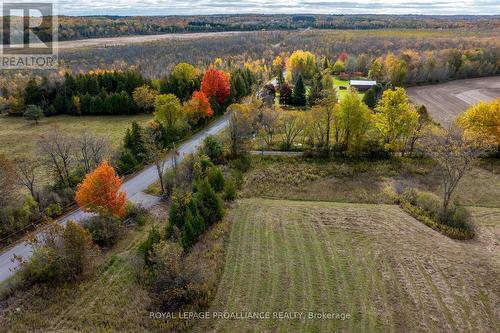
454, 154
292, 124
157, 155
269, 123
27, 174
91, 150
58, 150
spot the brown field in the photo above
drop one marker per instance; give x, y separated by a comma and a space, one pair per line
446, 101
364, 181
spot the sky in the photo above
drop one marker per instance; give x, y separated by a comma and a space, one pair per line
193, 7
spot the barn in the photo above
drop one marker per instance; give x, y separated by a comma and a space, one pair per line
362, 85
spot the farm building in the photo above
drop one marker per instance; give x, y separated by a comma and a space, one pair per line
362, 85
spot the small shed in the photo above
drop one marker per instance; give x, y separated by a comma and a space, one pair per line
362, 85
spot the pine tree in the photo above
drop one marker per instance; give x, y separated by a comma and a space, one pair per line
210, 204
299, 93
316, 89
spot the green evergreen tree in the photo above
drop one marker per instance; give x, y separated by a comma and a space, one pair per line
299, 93
370, 98
216, 178
34, 113
316, 89
210, 204
33, 93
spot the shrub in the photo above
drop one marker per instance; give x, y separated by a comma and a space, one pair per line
146, 247
229, 190
427, 207
137, 213
214, 149
105, 231
64, 253
170, 285
242, 163
237, 176
215, 178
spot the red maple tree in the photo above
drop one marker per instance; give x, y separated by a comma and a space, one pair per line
216, 84
100, 192
343, 56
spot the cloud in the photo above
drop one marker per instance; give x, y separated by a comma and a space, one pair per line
192, 7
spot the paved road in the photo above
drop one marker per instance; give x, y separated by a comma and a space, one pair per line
134, 188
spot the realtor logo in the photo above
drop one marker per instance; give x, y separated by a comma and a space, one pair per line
28, 36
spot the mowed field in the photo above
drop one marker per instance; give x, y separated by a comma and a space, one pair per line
446, 101
389, 272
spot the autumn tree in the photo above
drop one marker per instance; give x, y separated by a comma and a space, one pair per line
215, 84
144, 97
182, 82
375, 72
100, 192
167, 110
338, 67
321, 120
396, 119
352, 120
482, 122
198, 108
301, 63
395, 70
241, 126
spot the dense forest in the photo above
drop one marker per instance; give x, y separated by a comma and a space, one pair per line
71, 28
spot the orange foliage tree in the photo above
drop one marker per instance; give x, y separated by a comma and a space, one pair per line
198, 107
216, 84
100, 192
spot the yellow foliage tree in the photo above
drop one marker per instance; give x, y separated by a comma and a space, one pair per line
301, 62
482, 122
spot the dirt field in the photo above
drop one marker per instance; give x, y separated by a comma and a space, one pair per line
446, 101
389, 272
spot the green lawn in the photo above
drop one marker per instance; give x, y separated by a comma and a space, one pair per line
389, 272
340, 83
19, 137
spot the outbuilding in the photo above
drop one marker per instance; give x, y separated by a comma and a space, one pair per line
362, 85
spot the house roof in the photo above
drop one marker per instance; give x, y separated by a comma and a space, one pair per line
362, 83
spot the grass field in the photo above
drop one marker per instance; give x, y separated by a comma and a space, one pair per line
19, 137
389, 272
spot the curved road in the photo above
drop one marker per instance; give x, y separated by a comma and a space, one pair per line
134, 188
